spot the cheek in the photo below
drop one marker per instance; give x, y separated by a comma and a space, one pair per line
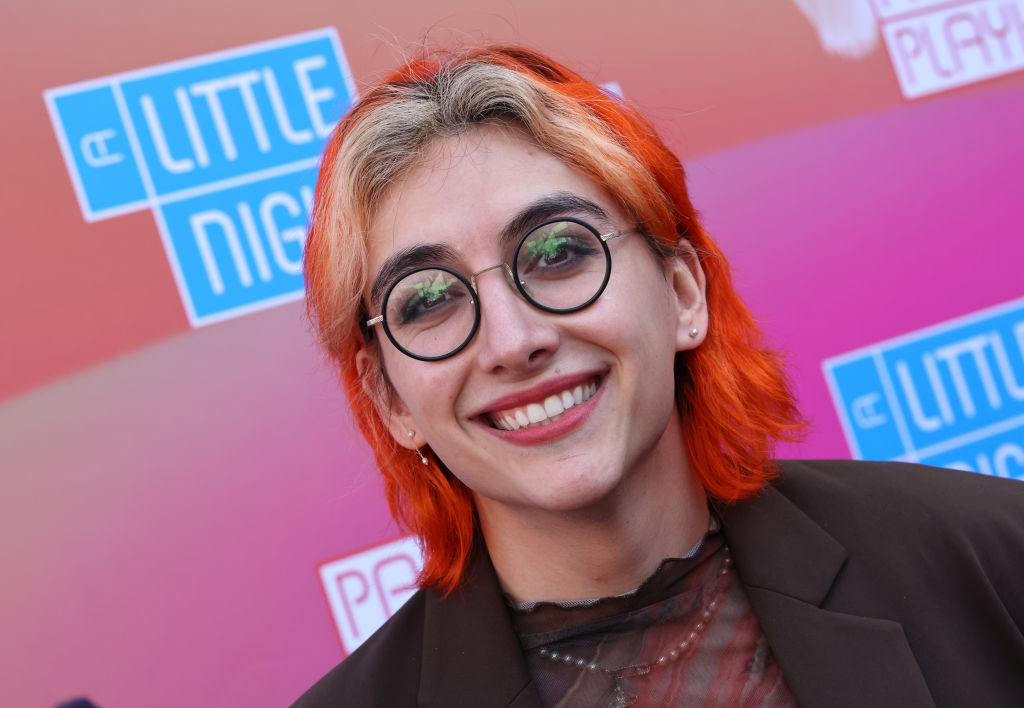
651, 337
427, 389
644, 319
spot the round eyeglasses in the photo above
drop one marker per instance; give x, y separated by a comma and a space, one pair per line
562, 265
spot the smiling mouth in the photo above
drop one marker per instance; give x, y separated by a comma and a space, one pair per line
545, 412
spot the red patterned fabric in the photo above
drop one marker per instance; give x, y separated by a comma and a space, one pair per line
729, 663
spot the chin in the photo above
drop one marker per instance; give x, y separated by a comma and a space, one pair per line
580, 494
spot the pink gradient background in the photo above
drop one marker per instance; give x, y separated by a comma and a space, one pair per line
166, 494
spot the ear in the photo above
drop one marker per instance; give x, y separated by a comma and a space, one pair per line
386, 400
687, 278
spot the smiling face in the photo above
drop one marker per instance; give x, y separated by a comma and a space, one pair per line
540, 413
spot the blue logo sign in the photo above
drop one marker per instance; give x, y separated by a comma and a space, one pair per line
223, 149
951, 395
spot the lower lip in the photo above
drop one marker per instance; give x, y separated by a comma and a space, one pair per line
539, 434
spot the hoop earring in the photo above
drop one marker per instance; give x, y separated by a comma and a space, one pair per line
423, 459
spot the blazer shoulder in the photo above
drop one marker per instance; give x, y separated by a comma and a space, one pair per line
912, 488
885, 502
383, 671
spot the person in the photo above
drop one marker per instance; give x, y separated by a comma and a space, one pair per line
575, 413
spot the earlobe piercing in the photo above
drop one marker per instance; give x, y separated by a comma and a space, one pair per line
423, 459
693, 333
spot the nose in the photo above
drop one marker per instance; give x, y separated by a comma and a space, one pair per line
514, 336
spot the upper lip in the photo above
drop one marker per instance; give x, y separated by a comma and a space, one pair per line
538, 393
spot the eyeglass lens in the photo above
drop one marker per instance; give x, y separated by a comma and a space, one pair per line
560, 266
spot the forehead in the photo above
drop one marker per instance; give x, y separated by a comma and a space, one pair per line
466, 188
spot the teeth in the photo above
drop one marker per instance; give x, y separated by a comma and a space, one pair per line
553, 406
547, 411
536, 412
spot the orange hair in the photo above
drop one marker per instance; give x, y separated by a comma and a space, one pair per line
732, 392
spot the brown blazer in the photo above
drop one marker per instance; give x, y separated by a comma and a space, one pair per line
876, 584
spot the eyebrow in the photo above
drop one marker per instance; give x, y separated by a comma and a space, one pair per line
546, 207
406, 259
541, 209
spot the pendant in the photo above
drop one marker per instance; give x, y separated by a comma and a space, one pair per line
620, 699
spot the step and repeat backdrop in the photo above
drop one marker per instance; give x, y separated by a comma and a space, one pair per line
187, 514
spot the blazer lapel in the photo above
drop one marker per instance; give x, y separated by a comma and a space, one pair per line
471, 656
788, 564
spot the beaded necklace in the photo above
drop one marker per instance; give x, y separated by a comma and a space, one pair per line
620, 698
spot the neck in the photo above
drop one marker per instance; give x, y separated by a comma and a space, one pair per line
606, 549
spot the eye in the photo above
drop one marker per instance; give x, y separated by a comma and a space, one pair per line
557, 250
424, 296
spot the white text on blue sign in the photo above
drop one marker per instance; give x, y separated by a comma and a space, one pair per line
951, 395
223, 148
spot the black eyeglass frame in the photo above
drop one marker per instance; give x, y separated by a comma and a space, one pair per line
512, 275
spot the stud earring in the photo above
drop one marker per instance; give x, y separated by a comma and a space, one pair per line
419, 452
694, 332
